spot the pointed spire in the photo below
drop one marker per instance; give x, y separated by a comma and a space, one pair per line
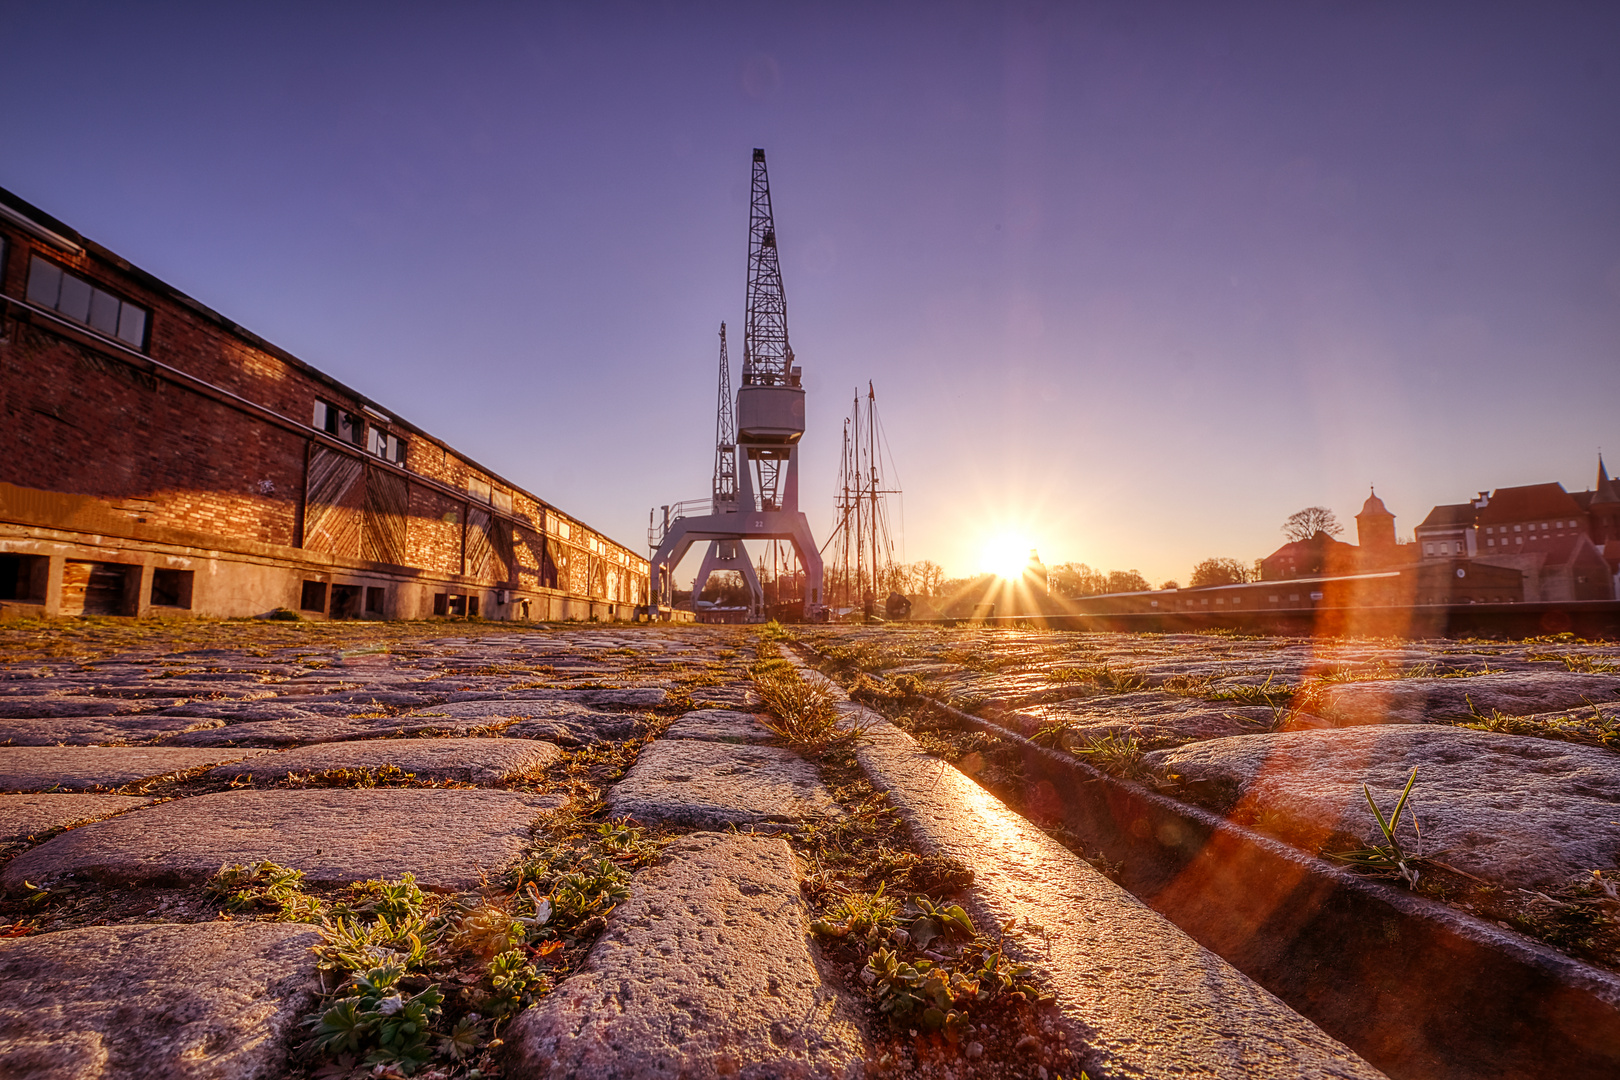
1605, 491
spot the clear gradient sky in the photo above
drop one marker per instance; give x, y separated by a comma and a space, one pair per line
1137, 280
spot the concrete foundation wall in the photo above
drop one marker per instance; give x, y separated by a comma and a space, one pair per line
215, 584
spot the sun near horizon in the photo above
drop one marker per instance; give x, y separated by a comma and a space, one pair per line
1006, 554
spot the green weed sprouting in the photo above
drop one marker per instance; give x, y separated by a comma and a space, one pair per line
935, 994
266, 889
1389, 858
379, 1020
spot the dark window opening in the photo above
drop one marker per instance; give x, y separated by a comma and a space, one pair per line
472, 607
22, 578
345, 601
314, 596
326, 417
374, 600
96, 588
68, 294
172, 588
441, 604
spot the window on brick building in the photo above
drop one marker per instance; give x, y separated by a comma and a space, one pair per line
72, 296
388, 447
326, 417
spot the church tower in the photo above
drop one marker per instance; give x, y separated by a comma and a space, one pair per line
1604, 508
1375, 532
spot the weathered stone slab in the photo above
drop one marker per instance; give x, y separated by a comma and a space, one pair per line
703, 972
1417, 701
22, 816
711, 785
209, 1001
566, 723
474, 761
1510, 809
51, 708
95, 730
238, 711
313, 728
627, 697
720, 725
336, 835
40, 768
1156, 719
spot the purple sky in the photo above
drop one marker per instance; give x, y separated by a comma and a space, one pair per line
1136, 280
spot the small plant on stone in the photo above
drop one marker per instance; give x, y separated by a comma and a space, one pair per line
1389, 859
265, 889
378, 1019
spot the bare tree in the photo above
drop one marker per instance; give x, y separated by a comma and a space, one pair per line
928, 576
1310, 521
1219, 572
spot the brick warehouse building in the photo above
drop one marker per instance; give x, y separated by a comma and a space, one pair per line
156, 458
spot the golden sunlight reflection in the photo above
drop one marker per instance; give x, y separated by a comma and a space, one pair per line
1006, 554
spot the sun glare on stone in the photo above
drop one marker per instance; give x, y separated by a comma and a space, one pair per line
1006, 555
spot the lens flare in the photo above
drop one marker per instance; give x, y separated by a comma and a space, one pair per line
1006, 555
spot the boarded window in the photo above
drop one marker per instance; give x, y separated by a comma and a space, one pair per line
334, 495
96, 588
388, 500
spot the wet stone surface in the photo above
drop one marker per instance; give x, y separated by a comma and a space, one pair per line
42, 768
711, 785
474, 761
214, 1001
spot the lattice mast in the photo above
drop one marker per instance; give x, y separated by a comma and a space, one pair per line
767, 356
725, 437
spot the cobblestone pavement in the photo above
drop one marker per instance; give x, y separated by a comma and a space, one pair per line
134, 767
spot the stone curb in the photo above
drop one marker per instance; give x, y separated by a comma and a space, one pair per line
1138, 994
1420, 989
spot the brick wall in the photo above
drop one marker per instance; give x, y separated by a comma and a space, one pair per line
80, 418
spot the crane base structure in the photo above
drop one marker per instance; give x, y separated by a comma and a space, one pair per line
733, 527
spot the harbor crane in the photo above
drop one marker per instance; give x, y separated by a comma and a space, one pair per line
764, 459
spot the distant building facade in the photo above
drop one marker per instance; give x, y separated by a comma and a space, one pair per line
1565, 545
156, 458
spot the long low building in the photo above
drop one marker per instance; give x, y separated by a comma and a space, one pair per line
156, 458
